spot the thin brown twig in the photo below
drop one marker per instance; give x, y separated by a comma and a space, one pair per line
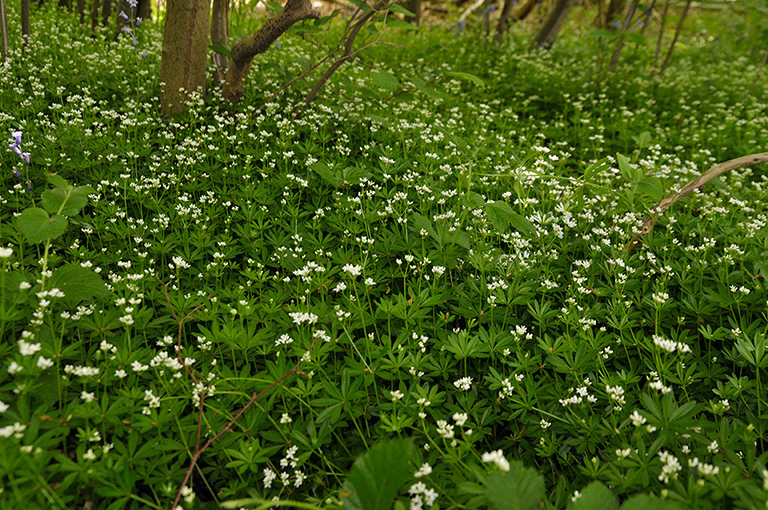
667, 202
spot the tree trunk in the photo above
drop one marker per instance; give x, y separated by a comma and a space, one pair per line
185, 52
518, 14
106, 12
614, 13
415, 7
259, 42
674, 40
220, 37
144, 9
24, 21
95, 14
554, 22
4, 29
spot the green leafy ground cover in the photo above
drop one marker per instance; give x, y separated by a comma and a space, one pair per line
430, 264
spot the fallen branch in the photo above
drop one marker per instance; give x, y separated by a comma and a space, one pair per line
200, 449
666, 203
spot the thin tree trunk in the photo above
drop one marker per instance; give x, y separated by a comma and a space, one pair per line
106, 12
674, 40
220, 37
4, 29
613, 13
554, 22
144, 9
518, 14
415, 7
81, 11
622, 35
253, 44
661, 35
24, 21
185, 52
95, 14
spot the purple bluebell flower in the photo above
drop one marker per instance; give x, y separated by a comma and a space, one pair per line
25, 157
139, 21
459, 27
124, 16
16, 149
490, 9
17, 136
278, 44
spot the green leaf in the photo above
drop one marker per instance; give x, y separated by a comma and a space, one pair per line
57, 181
385, 80
68, 201
501, 215
326, 173
520, 488
377, 476
626, 169
220, 49
274, 7
648, 502
652, 187
78, 283
400, 9
37, 226
466, 76
595, 496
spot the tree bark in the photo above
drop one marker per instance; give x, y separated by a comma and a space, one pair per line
4, 29
185, 52
674, 39
24, 21
614, 13
144, 9
220, 37
106, 12
245, 49
518, 14
95, 5
415, 7
554, 22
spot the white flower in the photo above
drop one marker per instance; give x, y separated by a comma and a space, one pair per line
465, 383
637, 419
354, 270
460, 419
87, 396
497, 457
43, 362
424, 470
5, 253
27, 349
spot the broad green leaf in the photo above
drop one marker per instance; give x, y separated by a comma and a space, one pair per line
220, 49
68, 201
595, 496
384, 80
466, 76
326, 173
647, 502
274, 7
626, 169
501, 215
429, 89
652, 187
57, 181
377, 476
520, 488
78, 283
396, 23
400, 9
37, 225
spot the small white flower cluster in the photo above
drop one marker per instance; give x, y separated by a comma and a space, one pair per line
497, 457
445, 429
153, 402
670, 466
702, 468
670, 345
81, 371
582, 392
659, 297
421, 496
657, 385
16, 430
289, 461
198, 390
520, 332
352, 269
464, 384
616, 394
302, 317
